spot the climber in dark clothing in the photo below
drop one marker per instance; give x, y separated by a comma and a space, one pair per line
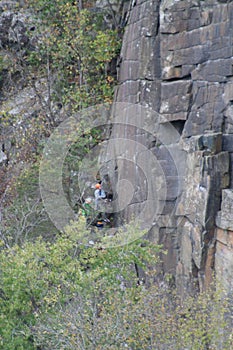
88, 211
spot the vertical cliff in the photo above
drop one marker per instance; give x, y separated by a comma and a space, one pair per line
176, 60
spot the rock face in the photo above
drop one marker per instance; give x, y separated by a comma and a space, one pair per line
224, 237
176, 60
115, 10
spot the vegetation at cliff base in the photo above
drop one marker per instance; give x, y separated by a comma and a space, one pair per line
69, 295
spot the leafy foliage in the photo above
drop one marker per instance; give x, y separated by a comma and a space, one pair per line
77, 49
69, 54
40, 278
72, 295
138, 318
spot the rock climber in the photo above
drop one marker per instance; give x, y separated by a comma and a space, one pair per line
99, 195
88, 211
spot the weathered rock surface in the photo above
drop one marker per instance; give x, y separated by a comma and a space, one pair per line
116, 11
224, 240
13, 28
176, 59
223, 258
3, 157
224, 219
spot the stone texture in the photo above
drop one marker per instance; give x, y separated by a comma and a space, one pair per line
176, 58
13, 29
140, 63
213, 71
115, 10
175, 97
5, 23
168, 239
3, 157
207, 101
224, 258
224, 218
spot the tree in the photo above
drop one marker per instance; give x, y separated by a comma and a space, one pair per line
39, 279
65, 64
77, 50
73, 295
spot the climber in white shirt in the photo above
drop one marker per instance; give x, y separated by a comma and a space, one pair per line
99, 195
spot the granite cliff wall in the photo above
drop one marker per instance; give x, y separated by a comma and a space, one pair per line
176, 59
